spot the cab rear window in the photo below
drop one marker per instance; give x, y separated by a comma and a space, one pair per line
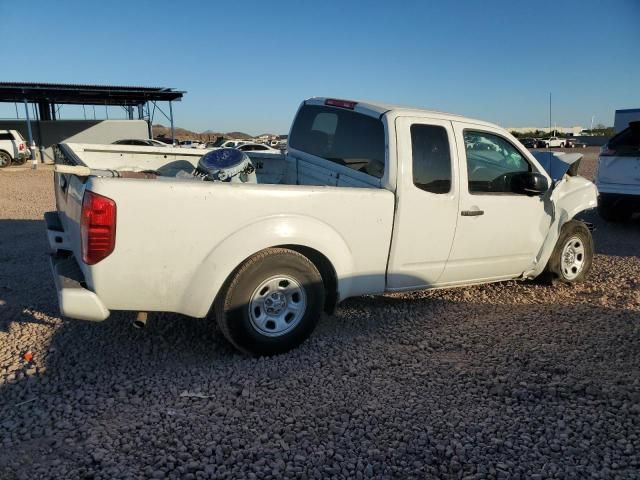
341, 136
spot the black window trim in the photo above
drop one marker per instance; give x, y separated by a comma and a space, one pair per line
451, 157
493, 194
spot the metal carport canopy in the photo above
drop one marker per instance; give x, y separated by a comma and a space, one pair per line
77, 94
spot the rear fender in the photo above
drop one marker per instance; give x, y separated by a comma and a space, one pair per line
226, 256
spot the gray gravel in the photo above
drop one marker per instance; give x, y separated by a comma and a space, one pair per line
510, 380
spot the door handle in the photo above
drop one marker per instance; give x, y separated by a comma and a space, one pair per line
471, 213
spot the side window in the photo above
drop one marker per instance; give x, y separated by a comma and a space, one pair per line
431, 158
491, 161
6, 136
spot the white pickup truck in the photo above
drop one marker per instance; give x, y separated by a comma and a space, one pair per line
552, 142
369, 198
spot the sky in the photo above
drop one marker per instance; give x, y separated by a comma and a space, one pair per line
246, 66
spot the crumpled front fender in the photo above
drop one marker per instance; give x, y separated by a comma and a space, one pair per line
570, 196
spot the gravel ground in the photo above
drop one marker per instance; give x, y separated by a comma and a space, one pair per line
511, 380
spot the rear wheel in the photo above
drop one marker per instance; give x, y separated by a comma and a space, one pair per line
271, 303
5, 159
572, 256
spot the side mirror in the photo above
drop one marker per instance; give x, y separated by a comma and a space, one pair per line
529, 183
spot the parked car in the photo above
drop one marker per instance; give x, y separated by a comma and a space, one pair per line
618, 175
232, 143
267, 247
257, 147
140, 142
551, 142
166, 141
529, 142
572, 142
190, 144
13, 148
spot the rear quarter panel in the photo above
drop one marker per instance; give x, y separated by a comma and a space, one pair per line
177, 241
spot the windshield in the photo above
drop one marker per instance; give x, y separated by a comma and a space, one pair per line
341, 136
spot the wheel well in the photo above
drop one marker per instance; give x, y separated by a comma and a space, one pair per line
4, 151
328, 273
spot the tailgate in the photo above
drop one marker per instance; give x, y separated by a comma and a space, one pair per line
69, 191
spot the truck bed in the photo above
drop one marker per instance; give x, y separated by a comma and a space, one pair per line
275, 169
178, 240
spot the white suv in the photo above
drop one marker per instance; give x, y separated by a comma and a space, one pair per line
13, 148
618, 176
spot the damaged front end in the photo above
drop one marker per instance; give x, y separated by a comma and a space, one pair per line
570, 195
557, 164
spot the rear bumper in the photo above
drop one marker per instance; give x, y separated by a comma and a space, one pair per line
74, 299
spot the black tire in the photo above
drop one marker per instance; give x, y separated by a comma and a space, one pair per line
232, 309
5, 159
613, 211
573, 229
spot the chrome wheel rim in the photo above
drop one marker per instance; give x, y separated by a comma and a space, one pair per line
5, 160
277, 306
572, 260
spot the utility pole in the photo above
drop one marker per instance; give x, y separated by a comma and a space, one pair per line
549, 113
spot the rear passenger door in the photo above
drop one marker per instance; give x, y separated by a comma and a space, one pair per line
427, 203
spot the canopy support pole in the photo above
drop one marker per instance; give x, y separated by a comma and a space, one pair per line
32, 144
173, 130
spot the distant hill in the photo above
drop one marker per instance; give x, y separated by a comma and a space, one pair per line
184, 134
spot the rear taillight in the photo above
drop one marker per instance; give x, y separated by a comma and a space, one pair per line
97, 227
21, 147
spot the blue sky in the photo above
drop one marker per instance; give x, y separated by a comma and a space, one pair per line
247, 65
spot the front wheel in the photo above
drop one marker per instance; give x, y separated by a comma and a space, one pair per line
271, 303
572, 256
